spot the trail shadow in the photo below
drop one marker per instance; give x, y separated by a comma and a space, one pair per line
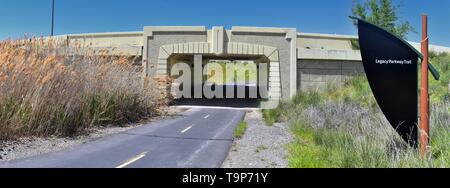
227, 103
246, 102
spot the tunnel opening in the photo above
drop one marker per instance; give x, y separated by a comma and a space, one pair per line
219, 81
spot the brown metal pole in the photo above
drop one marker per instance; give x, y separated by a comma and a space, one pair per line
424, 97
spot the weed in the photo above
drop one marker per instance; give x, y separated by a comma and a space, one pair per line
240, 130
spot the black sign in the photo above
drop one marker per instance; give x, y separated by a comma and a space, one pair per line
391, 67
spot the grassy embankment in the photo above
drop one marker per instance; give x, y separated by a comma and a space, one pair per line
345, 128
45, 92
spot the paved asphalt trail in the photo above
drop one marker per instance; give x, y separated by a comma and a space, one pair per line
197, 138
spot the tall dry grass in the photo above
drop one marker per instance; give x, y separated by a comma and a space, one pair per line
47, 89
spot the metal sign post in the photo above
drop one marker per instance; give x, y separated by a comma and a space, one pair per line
424, 96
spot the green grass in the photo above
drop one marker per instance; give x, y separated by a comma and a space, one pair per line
322, 148
307, 99
356, 90
286, 109
240, 130
271, 116
344, 127
304, 152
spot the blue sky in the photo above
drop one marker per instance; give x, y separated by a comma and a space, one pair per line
318, 16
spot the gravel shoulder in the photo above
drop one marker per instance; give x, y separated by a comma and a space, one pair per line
34, 146
261, 146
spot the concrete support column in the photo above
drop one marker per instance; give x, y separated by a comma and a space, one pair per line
198, 76
218, 36
145, 58
162, 67
291, 36
274, 81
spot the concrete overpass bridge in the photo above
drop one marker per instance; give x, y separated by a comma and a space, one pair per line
297, 61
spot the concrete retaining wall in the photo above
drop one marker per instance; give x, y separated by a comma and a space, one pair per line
318, 69
317, 75
324, 41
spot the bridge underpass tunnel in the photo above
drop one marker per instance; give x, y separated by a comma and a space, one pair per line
210, 80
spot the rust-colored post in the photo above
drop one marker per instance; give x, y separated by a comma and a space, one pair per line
424, 97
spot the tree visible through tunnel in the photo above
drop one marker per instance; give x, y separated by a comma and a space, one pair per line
219, 82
